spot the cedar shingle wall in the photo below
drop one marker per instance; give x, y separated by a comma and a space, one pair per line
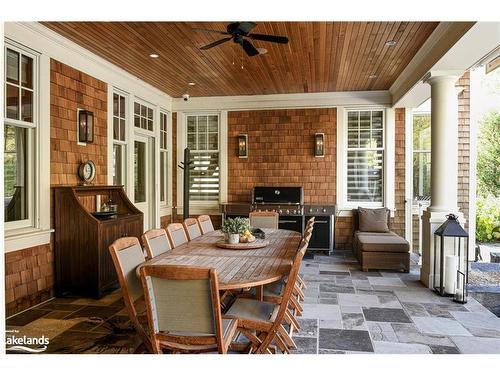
29, 277
398, 221
464, 145
71, 89
280, 152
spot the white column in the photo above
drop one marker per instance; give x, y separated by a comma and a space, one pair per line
444, 164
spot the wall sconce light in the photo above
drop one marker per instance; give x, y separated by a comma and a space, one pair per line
85, 126
319, 145
243, 146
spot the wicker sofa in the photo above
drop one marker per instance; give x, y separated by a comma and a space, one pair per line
379, 249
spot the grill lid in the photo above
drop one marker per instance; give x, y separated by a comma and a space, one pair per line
278, 195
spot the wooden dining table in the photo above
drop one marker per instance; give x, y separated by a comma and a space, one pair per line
236, 269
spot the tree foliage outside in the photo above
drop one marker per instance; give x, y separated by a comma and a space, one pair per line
488, 178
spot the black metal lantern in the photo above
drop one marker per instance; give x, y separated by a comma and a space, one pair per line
451, 262
85, 126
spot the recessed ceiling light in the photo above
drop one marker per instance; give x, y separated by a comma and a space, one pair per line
191, 83
372, 76
154, 55
390, 43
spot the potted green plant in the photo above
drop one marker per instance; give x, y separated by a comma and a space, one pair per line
233, 227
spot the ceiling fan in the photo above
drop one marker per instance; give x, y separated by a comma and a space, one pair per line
240, 33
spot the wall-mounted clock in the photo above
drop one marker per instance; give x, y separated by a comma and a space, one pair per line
86, 171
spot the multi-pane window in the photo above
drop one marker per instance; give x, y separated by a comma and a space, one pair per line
143, 116
203, 141
19, 133
119, 138
365, 156
421, 157
163, 157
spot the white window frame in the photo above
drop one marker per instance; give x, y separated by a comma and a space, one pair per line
31, 138
361, 203
218, 151
344, 208
416, 206
35, 230
203, 207
123, 144
155, 116
164, 153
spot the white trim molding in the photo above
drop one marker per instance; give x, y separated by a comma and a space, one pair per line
277, 101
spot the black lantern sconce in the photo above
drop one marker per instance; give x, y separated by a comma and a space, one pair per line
85, 126
243, 146
451, 262
319, 145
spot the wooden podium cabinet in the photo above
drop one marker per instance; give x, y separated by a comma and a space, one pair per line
83, 265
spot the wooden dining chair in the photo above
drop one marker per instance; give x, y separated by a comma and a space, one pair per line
127, 254
176, 234
264, 219
205, 224
262, 322
156, 242
192, 228
183, 309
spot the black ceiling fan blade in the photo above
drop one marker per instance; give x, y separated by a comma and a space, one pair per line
209, 31
269, 38
249, 48
216, 43
240, 27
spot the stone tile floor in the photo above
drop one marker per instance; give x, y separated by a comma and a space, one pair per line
345, 311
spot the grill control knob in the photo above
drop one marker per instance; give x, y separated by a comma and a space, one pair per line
280, 211
288, 211
310, 209
324, 210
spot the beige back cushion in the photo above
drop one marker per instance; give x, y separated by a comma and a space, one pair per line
130, 258
178, 237
264, 222
194, 231
206, 226
159, 245
181, 306
373, 220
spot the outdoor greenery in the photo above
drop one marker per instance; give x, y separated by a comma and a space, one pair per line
238, 225
488, 219
488, 177
488, 157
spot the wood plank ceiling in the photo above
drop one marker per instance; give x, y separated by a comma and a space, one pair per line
320, 57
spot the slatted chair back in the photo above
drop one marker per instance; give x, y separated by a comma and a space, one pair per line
205, 224
192, 228
285, 299
183, 306
308, 233
127, 254
264, 219
156, 242
311, 221
176, 234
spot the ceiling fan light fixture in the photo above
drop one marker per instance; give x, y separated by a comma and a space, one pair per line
191, 83
262, 51
154, 55
372, 76
390, 43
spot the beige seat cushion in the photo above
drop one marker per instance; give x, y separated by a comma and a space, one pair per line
373, 220
390, 243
